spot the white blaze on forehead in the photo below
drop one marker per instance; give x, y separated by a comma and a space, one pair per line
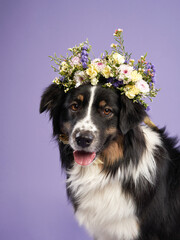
86, 123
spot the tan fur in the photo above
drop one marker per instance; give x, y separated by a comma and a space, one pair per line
149, 123
81, 97
111, 131
66, 128
113, 152
102, 103
64, 139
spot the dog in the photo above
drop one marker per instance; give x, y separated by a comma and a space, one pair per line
123, 176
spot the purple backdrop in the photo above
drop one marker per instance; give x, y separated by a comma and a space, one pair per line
33, 203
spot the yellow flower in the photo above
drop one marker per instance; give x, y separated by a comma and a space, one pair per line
92, 71
94, 81
64, 67
56, 80
135, 76
132, 91
118, 58
106, 72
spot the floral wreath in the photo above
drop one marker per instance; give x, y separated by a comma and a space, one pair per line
115, 70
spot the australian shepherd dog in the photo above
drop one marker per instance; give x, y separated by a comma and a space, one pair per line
123, 176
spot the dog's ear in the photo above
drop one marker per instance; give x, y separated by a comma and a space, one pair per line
131, 114
50, 98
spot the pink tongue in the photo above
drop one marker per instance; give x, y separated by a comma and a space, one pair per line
84, 158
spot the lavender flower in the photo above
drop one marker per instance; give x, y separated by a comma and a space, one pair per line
84, 65
85, 47
115, 83
84, 56
84, 53
148, 108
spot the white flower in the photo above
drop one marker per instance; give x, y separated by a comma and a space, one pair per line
79, 77
142, 86
96, 60
125, 72
108, 84
75, 61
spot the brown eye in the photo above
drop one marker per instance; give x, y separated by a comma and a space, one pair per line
107, 111
74, 107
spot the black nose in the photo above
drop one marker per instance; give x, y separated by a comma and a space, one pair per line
84, 139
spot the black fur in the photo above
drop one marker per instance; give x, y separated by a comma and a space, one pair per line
158, 204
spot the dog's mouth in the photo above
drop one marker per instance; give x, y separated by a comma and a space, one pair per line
84, 158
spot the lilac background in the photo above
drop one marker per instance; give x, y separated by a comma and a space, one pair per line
33, 203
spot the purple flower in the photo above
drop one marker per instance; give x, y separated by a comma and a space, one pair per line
84, 59
148, 66
84, 53
84, 64
110, 80
153, 67
117, 84
85, 47
148, 108
153, 79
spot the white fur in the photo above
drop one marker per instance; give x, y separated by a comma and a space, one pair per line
103, 208
147, 165
86, 123
106, 212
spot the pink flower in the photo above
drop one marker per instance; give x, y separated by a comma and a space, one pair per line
75, 61
99, 64
142, 86
125, 72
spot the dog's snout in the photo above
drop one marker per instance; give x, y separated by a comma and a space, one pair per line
84, 139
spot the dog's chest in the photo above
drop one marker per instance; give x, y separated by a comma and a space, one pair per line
103, 208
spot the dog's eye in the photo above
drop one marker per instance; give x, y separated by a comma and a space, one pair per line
74, 107
107, 111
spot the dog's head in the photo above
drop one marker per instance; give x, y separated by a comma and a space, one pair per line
94, 119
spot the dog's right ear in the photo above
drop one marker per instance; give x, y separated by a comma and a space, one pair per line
50, 98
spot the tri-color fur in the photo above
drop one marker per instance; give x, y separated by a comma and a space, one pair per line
133, 192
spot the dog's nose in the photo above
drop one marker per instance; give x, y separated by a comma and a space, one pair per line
84, 139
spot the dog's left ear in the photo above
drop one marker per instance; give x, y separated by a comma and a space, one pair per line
50, 98
131, 114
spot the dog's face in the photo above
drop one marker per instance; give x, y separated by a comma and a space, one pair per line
92, 117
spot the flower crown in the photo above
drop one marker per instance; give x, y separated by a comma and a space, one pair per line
114, 70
